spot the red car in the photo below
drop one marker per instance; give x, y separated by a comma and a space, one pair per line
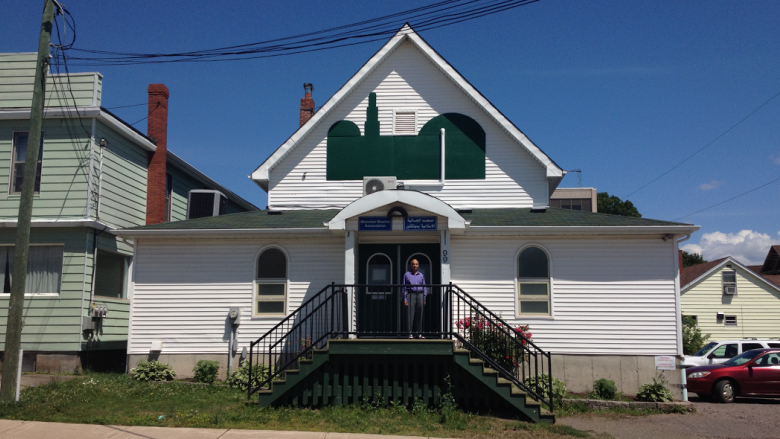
752, 373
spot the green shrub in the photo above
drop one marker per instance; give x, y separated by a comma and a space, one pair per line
692, 338
558, 387
655, 391
239, 378
153, 371
206, 371
604, 389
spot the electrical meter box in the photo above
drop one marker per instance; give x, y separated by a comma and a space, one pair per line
235, 315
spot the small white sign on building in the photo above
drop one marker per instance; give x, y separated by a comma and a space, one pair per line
665, 362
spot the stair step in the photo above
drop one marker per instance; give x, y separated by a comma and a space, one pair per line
488, 371
475, 361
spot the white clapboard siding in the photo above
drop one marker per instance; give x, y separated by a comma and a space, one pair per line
756, 306
408, 80
184, 289
610, 296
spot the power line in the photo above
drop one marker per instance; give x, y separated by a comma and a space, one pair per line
732, 198
706, 146
127, 106
443, 13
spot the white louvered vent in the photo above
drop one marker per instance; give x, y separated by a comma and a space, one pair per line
405, 123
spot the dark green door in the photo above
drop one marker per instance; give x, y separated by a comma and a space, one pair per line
380, 308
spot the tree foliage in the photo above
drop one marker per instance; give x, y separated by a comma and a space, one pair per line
692, 259
615, 206
692, 338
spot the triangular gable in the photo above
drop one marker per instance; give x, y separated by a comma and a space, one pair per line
720, 263
772, 261
553, 172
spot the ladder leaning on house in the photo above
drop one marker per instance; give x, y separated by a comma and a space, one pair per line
323, 354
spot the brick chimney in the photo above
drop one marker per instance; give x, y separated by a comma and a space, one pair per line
307, 104
157, 129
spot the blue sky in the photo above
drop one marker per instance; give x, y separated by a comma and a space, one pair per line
623, 90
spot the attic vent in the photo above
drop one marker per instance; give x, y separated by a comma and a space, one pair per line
405, 123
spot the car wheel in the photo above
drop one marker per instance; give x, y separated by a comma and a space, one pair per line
724, 391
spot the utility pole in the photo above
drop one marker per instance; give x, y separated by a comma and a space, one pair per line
13, 332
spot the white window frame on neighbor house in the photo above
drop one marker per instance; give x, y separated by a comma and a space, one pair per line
276, 281
724, 284
416, 121
548, 281
62, 271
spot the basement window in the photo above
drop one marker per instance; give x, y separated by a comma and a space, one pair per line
730, 321
405, 123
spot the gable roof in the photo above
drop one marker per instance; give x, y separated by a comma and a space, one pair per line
701, 271
406, 33
772, 262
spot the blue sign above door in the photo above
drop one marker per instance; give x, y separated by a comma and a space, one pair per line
375, 224
420, 223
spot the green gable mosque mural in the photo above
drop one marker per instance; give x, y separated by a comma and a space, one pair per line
352, 156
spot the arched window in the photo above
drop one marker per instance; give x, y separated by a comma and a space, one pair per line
271, 283
380, 272
533, 282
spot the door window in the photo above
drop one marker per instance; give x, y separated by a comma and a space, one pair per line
379, 272
725, 351
768, 360
425, 266
751, 346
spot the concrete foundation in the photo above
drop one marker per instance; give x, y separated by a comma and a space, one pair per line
627, 371
183, 364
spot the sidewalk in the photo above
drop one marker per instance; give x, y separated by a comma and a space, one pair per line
37, 430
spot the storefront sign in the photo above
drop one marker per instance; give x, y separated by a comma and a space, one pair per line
420, 223
665, 362
375, 224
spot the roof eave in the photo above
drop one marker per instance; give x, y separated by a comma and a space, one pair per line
580, 230
728, 259
221, 233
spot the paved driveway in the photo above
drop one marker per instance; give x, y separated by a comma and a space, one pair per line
746, 418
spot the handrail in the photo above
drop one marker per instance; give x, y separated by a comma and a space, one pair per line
458, 316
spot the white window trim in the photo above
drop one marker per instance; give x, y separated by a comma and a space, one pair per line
549, 281
724, 284
257, 281
62, 272
416, 121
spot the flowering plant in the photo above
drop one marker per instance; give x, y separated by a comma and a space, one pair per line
496, 342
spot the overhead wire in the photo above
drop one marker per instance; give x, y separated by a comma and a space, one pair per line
730, 199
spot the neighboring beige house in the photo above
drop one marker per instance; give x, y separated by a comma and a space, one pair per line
731, 300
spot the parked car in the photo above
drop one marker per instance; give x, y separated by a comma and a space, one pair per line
752, 373
717, 352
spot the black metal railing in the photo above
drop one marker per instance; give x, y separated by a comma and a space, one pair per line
378, 312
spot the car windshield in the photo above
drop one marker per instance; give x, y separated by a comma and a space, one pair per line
705, 349
743, 358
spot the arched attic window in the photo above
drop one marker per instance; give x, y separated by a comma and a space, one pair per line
271, 283
533, 282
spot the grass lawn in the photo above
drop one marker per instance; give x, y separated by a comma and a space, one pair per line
118, 400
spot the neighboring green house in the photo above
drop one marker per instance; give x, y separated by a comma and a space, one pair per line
96, 174
730, 300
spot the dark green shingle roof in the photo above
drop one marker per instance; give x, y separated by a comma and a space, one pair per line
260, 219
554, 216
300, 219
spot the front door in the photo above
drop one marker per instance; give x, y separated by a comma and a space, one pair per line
380, 308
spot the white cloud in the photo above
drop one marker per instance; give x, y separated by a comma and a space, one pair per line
746, 246
714, 184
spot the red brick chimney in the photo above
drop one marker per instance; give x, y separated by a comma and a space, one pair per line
157, 129
307, 104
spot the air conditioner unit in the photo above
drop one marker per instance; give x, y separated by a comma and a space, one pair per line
376, 184
205, 202
730, 289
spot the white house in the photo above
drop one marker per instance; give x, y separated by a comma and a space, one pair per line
409, 160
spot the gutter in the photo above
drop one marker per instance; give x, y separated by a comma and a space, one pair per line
579, 230
92, 224
221, 233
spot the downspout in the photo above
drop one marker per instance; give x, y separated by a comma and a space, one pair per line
684, 377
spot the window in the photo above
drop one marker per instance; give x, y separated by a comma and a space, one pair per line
44, 269
750, 346
380, 269
206, 202
731, 321
572, 203
774, 345
769, 360
725, 351
729, 281
168, 192
110, 274
271, 283
405, 123
17, 167
533, 282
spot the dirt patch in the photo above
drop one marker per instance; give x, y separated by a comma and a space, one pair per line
746, 418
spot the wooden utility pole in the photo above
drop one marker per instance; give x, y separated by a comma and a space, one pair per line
13, 331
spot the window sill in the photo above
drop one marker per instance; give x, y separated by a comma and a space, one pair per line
534, 316
3, 295
268, 316
108, 299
